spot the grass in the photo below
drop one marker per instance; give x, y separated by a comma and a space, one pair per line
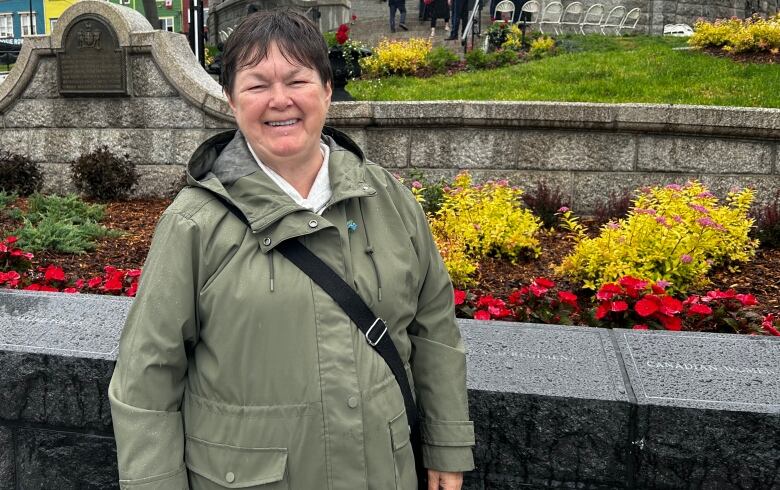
599, 69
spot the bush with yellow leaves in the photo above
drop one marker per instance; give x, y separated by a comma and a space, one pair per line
478, 221
755, 34
541, 47
675, 234
402, 57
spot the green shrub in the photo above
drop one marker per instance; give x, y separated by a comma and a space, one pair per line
51, 234
441, 59
62, 224
65, 208
6, 198
103, 175
19, 174
429, 194
476, 59
475, 222
675, 233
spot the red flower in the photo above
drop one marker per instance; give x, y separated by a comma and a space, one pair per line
95, 282
647, 306
516, 297
109, 269
640, 326
768, 325
670, 306
607, 291
747, 299
132, 290
603, 309
630, 282
538, 291
670, 322
3, 248
481, 315
134, 273
498, 311
70, 290
460, 296
485, 301
33, 287
10, 239
79, 283
619, 306
700, 309
718, 294
54, 273
354, 17
567, 297
341, 37
114, 284
544, 282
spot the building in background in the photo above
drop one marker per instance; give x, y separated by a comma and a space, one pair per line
186, 19
52, 10
15, 19
169, 12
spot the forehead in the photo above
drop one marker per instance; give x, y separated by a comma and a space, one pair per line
256, 62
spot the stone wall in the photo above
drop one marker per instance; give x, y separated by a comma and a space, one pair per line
553, 406
588, 150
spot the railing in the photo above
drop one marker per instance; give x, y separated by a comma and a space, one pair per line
473, 27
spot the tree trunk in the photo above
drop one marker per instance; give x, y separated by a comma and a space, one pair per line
150, 11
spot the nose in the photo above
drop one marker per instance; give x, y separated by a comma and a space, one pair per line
280, 96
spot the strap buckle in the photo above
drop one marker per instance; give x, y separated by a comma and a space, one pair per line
378, 321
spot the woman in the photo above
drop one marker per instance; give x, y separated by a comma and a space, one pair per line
234, 369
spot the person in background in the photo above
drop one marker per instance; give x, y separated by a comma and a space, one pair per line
235, 369
459, 17
400, 6
439, 9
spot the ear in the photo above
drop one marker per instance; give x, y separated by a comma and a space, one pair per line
328, 93
230, 101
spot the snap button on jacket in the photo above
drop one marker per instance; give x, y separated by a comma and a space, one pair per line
236, 371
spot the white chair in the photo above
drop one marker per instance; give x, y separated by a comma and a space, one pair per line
613, 19
678, 30
572, 15
505, 11
592, 17
632, 18
551, 14
529, 9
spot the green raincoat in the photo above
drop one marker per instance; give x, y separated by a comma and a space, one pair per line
236, 371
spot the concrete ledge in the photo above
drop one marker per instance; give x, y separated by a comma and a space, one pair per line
553, 406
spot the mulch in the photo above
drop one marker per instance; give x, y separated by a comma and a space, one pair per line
760, 277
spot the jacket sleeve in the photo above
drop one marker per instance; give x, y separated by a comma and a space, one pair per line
438, 364
148, 382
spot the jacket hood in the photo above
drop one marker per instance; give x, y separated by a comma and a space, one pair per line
224, 166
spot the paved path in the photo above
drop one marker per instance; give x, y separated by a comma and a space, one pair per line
372, 24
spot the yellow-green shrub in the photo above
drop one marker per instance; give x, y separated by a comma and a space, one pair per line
396, 57
542, 46
738, 36
514, 37
675, 234
482, 221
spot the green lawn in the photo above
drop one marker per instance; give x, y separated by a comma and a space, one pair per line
599, 69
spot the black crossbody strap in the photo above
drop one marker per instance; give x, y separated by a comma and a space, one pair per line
373, 327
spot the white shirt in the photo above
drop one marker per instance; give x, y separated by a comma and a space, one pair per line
320, 192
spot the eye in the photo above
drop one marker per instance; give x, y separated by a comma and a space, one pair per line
298, 82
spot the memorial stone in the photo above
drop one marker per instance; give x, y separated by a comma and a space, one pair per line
57, 355
91, 61
705, 402
549, 405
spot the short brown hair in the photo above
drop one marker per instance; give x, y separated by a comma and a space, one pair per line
297, 39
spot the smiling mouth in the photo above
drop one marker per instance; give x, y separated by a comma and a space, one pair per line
277, 124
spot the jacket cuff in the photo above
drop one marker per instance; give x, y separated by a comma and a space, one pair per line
447, 433
176, 480
453, 459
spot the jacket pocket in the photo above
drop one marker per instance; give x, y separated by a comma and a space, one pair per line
236, 467
403, 456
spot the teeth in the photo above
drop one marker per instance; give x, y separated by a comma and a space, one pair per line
283, 123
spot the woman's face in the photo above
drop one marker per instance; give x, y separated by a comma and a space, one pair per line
280, 108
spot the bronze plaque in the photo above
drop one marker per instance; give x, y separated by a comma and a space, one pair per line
91, 61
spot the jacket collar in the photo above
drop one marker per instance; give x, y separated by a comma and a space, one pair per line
224, 166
